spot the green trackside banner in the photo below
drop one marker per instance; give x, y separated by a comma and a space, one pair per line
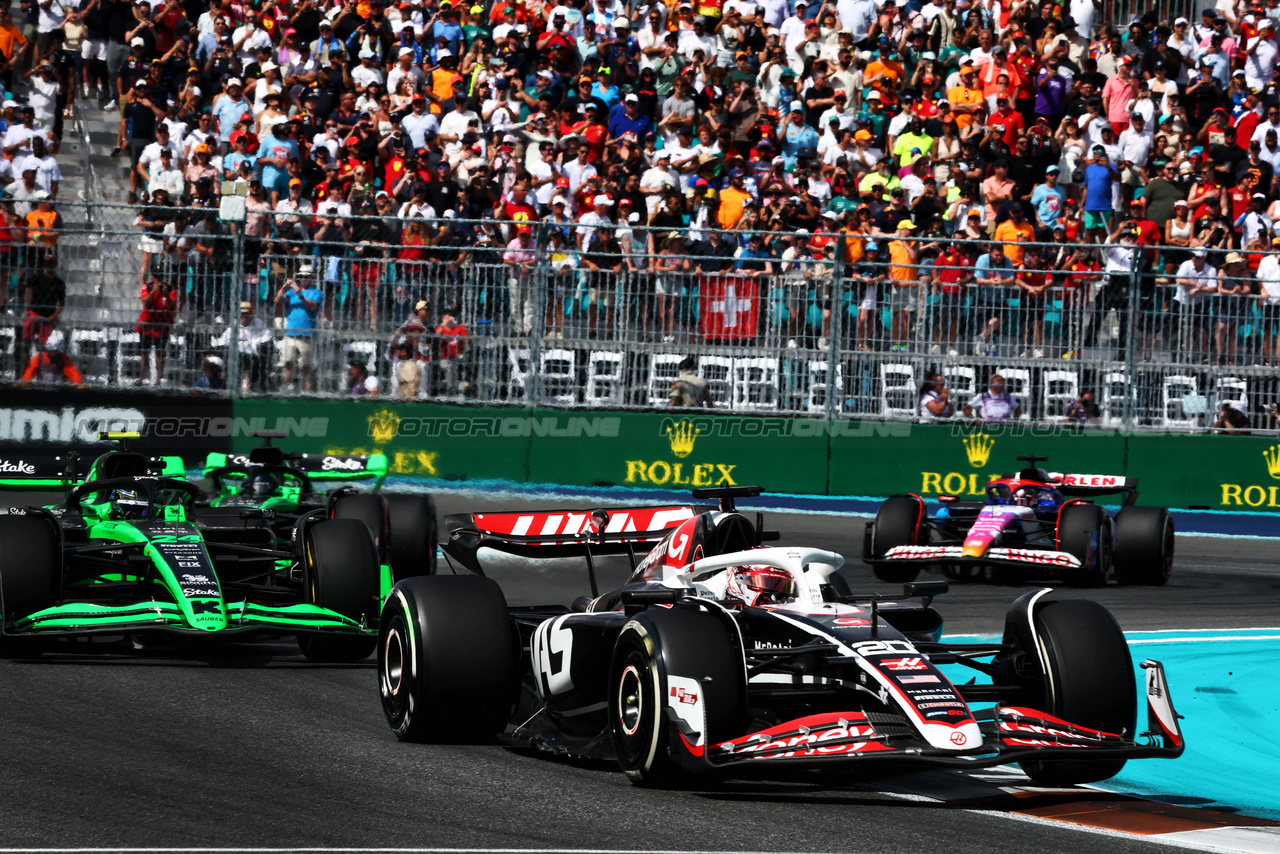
682, 450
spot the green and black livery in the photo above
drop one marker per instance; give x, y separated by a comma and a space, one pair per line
132, 550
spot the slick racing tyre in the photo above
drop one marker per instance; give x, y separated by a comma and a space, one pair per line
653, 648
1085, 532
370, 509
342, 573
1144, 546
897, 524
1090, 682
30, 568
411, 549
447, 659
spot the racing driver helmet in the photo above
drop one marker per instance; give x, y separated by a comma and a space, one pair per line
129, 504
768, 584
1025, 496
262, 484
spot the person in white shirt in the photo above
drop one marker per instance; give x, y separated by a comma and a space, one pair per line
591, 220
47, 172
657, 180
163, 174
151, 154
367, 72
578, 170
1269, 278
454, 124
1186, 48
405, 68
248, 39
994, 404
1196, 280
792, 29
544, 172
42, 96
775, 12
1260, 57
1260, 132
650, 38
1134, 145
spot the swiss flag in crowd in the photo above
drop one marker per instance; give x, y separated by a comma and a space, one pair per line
730, 307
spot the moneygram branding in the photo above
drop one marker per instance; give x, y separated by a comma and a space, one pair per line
51, 426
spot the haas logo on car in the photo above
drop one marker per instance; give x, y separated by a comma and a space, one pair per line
680, 695
904, 664
958, 738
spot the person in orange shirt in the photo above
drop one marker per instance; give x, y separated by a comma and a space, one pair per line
51, 365
43, 222
966, 97
1015, 231
884, 75
989, 74
903, 280
733, 199
442, 79
11, 41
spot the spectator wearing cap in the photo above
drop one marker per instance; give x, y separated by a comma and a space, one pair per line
228, 106
733, 200
52, 364
274, 155
1048, 200
138, 122
904, 276
300, 300
966, 96
44, 295
1260, 56
521, 258
155, 323
1100, 179
1119, 92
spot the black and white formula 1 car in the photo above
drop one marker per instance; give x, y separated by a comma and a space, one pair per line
720, 655
1033, 524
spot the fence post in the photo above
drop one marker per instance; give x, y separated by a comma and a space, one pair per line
835, 390
234, 212
1131, 350
535, 292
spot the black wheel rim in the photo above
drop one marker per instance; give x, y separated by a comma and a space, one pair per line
393, 670
631, 717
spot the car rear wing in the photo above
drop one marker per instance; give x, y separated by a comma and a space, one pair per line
561, 533
40, 472
317, 467
1093, 485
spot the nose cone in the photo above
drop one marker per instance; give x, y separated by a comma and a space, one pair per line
975, 546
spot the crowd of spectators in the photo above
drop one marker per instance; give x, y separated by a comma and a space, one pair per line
900, 139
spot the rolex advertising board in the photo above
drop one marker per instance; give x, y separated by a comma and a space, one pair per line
959, 459
677, 450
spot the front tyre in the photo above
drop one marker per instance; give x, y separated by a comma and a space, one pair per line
447, 659
1084, 532
1144, 546
651, 649
343, 574
898, 523
1089, 682
411, 547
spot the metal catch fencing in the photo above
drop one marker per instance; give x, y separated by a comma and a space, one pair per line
569, 314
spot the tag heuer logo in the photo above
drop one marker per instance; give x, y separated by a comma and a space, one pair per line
682, 436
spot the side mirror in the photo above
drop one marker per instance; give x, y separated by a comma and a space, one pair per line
928, 589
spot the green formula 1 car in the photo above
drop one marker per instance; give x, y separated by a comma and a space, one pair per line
291, 485
130, 551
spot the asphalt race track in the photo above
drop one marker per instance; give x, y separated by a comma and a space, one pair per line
251, 746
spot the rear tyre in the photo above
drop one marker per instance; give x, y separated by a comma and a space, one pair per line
897, 524
411, 548
1144, 546
1084, 531
447, 659
370, 509
651, 648
30, 571
343, 574
1090, 682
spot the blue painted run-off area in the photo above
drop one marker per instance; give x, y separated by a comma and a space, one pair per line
1224, 685
1201, 522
